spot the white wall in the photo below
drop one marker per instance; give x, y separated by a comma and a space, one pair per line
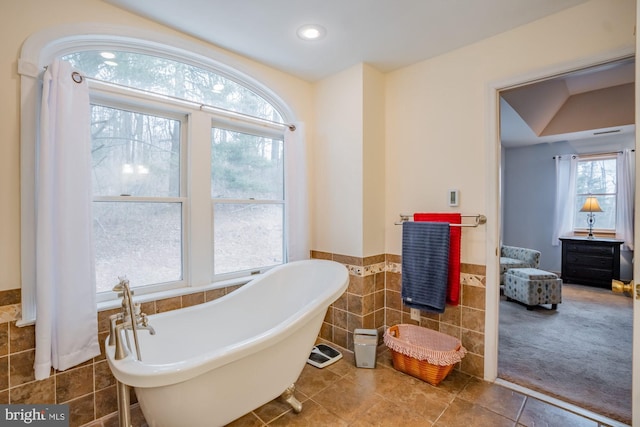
373, 161
438, 122
338, 162
350, 165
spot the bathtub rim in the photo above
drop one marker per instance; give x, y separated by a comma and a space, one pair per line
134, 373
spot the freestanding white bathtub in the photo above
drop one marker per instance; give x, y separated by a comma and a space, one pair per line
211, 363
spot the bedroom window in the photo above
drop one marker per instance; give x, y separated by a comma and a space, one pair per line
610, 178
597, 176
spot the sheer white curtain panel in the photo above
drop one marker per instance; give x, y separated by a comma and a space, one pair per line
66, 322
625, 199
297, 202
565, 200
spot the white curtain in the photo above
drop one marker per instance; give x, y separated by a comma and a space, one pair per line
66, 323
625, 199
564, 209
297, 203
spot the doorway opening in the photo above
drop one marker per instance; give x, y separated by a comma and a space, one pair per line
579, 353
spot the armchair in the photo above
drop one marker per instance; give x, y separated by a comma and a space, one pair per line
515, 257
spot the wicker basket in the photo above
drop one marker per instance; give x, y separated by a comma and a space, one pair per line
423, 353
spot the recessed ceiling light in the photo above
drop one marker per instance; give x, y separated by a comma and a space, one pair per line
311, 32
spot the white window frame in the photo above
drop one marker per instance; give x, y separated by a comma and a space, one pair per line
100, 95
40, 49
216, 123
581, 228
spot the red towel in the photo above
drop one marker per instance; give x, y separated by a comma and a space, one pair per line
453, 287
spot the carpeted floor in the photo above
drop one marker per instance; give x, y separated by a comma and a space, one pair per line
580, 353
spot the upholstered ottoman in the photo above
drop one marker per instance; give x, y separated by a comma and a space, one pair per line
532, 286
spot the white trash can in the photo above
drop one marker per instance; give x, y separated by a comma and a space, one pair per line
365, 344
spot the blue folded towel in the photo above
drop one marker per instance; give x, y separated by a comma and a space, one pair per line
425, 265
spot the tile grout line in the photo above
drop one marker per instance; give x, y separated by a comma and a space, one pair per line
521, 410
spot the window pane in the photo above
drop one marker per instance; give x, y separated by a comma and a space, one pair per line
603, 220
134, 154
247, 236
596, 176
177, 79
142, 241
245, 166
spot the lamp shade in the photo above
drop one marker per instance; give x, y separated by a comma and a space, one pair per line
591, 205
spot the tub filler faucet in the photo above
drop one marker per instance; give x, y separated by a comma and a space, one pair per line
131, 317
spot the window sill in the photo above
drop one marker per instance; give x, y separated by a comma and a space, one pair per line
598, 233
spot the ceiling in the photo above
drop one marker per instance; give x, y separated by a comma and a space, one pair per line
588, 104
386, 34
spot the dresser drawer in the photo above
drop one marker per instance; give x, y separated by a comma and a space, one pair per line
589, 260
589, 249
576, 273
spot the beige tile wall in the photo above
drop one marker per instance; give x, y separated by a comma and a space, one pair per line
372, 300
362, 305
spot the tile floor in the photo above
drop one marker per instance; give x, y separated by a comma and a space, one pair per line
343, 395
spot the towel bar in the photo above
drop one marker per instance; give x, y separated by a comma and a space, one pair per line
480, 219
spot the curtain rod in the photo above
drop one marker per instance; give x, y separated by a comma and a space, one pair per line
592, 154
77, 77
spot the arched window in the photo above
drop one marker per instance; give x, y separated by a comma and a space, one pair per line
188, 162
173, 78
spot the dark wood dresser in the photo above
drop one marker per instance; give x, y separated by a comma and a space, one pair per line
590, 261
